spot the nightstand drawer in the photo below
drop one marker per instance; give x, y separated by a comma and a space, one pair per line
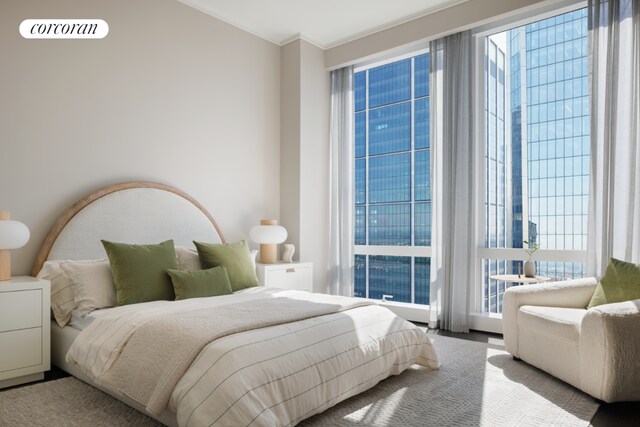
20, 310
25, 346
298, 278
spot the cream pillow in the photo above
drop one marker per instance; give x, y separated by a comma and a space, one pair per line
62, 291
188, 259
92, 283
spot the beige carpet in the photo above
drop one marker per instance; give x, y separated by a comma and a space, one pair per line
477, 385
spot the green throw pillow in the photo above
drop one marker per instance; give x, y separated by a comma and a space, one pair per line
140, 271
235, 257
621, 282
200, 283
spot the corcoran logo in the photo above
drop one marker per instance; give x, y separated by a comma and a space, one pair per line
64, 29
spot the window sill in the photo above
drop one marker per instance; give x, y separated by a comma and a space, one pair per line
488, 322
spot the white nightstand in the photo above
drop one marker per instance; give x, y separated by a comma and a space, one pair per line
25, 330
289, 275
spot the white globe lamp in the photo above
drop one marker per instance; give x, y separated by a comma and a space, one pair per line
268, 234
13, 235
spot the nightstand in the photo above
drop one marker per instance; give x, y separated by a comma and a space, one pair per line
286, 275
25, 330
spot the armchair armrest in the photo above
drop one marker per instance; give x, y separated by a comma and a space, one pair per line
610, 351
570, 293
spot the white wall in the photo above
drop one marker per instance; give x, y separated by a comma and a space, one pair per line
171, 95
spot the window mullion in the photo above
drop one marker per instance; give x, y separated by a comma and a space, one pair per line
366, 178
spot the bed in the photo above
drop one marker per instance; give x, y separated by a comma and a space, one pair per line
260, 356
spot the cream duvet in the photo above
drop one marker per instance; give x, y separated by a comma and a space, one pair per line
265, 357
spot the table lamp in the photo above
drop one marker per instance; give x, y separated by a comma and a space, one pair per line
268, 234
13, 235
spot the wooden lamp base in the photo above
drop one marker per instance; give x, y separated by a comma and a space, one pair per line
5, 254
5, 265
268, 253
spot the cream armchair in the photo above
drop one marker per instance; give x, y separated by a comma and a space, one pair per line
596, 350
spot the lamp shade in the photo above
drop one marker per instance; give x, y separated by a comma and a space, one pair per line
268, 234
13, 234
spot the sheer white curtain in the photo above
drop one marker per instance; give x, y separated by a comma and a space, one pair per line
341, 175
614, 203
452, 176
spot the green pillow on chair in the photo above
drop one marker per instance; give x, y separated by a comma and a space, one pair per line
140, 271
621, 282
200, 283
235, 257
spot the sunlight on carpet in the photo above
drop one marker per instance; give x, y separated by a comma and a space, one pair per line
477, 385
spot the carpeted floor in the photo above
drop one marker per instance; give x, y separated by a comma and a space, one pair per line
476, 385
67, 402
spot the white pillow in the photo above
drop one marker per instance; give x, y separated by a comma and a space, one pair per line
82, 322
188, 259
92, 283
62, 291
253, 255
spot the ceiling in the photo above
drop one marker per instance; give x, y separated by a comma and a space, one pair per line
326, 23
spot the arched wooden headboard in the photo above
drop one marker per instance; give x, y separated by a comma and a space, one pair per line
131, 212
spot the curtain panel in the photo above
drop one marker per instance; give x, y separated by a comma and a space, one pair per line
342, 184
453, 171
614, 202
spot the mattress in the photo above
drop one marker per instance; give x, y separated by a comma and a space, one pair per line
61, 340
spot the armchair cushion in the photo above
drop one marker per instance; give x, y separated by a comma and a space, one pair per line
621, 282
562, 323
571, 294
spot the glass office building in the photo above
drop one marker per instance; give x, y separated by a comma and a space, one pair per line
392, 188
536, 166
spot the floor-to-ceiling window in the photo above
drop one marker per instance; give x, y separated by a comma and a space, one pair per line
392, 185
536, 157
535, 163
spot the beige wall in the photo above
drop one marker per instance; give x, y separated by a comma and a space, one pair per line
314, 163
304, 156
290, 144
171, 95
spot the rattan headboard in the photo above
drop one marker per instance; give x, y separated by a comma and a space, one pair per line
130, 212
